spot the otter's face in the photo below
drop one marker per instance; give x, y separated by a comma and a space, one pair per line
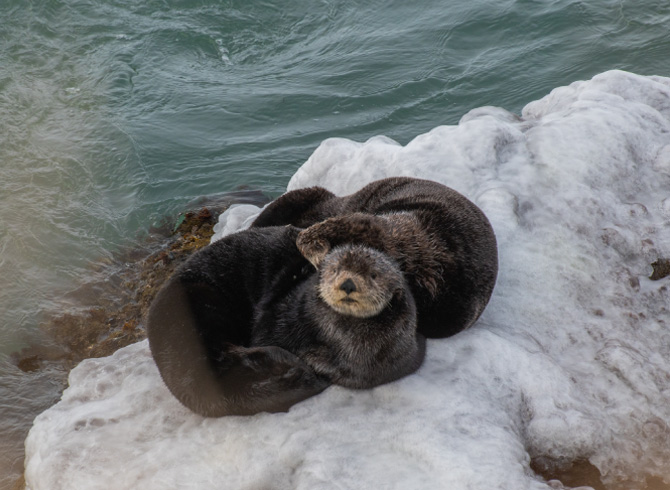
358, 281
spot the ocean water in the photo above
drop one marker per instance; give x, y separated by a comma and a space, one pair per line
114, 114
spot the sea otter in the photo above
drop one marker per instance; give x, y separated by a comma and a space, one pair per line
442, 242
247, 325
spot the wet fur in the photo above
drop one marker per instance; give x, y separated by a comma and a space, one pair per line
352, 351
358, 281
443, 243
240, 328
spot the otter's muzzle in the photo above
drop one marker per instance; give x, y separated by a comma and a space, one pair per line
348, 286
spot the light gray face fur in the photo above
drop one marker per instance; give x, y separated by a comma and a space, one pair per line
358, 281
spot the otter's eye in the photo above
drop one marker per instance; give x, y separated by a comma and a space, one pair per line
373, 275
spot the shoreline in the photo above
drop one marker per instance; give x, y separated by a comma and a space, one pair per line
105, 313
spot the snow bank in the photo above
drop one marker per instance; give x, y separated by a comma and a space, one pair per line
570, 361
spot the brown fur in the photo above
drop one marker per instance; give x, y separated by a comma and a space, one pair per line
372, 340
242, 327
358, 281
421, 255
443, 243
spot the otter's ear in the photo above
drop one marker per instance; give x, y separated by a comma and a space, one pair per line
311, 247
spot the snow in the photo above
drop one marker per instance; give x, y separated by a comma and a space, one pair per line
570, 361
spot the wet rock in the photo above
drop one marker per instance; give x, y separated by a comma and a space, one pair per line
661, 269
106, 312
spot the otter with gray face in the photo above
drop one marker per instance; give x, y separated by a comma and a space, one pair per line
247, 325
442, 242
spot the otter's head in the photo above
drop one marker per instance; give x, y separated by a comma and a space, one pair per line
358, 281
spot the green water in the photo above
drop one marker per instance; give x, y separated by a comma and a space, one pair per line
116, 113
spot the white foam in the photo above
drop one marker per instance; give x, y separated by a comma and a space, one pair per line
236, 217
571, 359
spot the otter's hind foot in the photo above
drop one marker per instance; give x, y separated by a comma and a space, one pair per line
265, 379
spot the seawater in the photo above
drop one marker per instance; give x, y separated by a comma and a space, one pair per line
115, 114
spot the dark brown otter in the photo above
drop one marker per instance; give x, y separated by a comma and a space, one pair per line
247, 325
443, 242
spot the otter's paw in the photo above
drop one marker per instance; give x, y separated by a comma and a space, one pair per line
264, 379
355, 228
312, 246
279, 368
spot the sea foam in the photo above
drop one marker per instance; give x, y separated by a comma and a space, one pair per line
570, 361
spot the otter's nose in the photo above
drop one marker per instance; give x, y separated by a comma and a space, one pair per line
348, 286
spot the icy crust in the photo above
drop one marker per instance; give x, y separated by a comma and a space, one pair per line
571, 359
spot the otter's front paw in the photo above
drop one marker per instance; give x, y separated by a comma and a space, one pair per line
312, 246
